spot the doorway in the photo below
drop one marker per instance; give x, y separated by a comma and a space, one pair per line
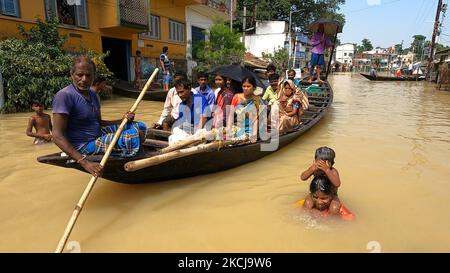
118, 60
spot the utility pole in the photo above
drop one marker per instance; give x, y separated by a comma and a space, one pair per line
231, 15
244, 25
433, 39
289, 35
254, 13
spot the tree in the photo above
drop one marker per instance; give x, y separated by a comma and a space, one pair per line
36, 67
223, 47
417, 45
279, 58
309, 11
366, 46
398, 49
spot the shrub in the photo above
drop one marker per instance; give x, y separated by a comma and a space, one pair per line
223, 47
37, 66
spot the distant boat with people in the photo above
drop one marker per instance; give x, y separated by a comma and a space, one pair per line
392, 78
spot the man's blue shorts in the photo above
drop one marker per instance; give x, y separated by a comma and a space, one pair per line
317, 59
166, 77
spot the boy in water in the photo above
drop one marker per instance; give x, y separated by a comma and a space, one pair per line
42, 124
323, 166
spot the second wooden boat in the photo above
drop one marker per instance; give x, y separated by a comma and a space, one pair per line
390, 78
126, 90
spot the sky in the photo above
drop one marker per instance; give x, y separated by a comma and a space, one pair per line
388, 22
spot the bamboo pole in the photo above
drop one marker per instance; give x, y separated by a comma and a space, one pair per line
191, 140
158, 159
90, 186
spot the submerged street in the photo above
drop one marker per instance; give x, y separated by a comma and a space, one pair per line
392, 147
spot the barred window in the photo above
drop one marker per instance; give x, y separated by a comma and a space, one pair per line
154, 28
9, 7
68, 12
176, 31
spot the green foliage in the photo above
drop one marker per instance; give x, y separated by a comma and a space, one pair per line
44, 32
366, 46
223, 47
36, 67
417, 45
279, 58
99, 61
308, 11
398, 49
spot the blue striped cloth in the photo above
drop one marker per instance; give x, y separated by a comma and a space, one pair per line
127, 145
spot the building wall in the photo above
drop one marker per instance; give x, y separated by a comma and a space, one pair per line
345, 53
270, 27
257, 44
77, 37
103, 21
166, 10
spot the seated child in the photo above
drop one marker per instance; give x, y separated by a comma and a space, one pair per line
323, 166
291, 76
271, 94
41, 122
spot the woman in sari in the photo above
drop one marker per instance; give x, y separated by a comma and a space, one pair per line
246, 106
289, 106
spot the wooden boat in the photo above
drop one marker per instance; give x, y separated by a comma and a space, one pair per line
202, 163
390, 78
127, 90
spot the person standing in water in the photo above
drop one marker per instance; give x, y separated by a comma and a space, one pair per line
41, 122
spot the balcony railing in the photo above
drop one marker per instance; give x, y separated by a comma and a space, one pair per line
134, 13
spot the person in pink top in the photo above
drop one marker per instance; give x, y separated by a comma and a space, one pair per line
319, 42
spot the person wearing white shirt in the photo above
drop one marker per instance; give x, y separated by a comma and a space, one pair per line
171, 107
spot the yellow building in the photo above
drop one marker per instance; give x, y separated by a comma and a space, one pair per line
118, 26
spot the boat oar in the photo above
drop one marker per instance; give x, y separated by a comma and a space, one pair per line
158, 159
105, 157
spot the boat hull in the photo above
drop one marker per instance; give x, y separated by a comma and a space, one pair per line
387, 78
127, 91
202, 163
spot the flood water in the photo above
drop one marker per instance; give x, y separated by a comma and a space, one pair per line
392, 151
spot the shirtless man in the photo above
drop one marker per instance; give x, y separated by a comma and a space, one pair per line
42, 124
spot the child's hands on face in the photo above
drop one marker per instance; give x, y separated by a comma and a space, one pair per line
323, 165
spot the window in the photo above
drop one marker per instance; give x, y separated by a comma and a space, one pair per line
176, 31
68, 14
9, 7
350, 54
154, 28
198, 36
345, 54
